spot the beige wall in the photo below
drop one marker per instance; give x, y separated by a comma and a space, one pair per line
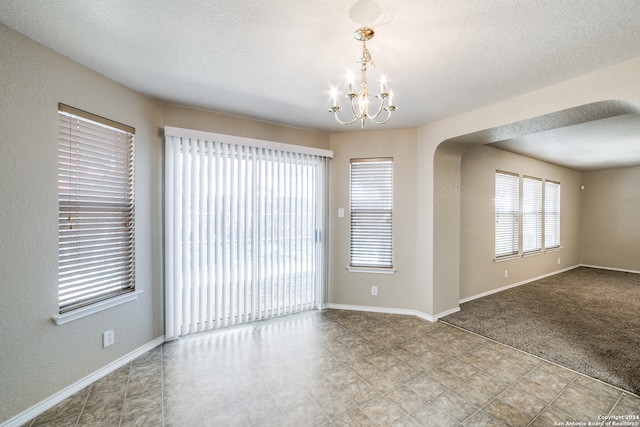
610, 219
434, 272
396, 290
190, 118
38, 358
478, 271
447, 193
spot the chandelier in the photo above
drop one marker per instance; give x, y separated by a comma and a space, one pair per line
360, 101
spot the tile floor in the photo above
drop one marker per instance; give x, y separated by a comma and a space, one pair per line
340, 368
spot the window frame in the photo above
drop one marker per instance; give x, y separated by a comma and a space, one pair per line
378, 213
507, 198
532, 205
543, 218
556, 216
96, 214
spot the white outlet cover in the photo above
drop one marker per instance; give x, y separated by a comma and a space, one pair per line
108, 338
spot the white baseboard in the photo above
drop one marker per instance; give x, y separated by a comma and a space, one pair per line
66, 392
610, 268
446, 313
504, 288
434, 318
513, 285
403, 311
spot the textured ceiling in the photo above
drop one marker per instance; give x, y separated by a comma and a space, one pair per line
276, 60
601, 144
601, 135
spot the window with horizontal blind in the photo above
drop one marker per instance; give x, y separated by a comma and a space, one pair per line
539, 208
507, 212
96, 209
531, 214
371, 210
551, 214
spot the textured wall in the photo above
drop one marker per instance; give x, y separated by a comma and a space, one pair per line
190, 118
432, 292
609, 218
38, 358
478, 272
396, 290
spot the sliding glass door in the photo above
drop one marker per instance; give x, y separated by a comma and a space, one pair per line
244, 232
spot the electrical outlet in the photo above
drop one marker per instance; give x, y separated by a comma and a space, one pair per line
374, 291
108, 338
558, 261
506, 274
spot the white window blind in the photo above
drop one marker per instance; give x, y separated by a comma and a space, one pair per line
531, 214
507, 208
96, 209
244, 230
551, 214
371, 207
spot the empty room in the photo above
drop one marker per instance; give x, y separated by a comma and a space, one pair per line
319, 214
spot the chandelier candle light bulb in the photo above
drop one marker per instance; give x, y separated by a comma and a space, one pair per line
361, 111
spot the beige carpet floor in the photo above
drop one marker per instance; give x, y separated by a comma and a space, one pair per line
585, 319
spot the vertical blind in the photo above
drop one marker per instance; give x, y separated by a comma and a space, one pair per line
531, 214
244, 234
551, 214
96, 209
371, 207
507, 209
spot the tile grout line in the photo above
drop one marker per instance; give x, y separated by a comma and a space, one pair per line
381, 394
535, 418
420, 374
615, 405
448, 390
83, 405
549, 405
162, 384
126, 390
541, 358
483, 370
541, 362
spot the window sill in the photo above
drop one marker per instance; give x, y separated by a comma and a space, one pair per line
373, 270
507, 258
532, 253
527, 254
61, 319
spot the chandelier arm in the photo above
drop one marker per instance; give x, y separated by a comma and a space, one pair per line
381, 122
335, 114
379, 108
357, 115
